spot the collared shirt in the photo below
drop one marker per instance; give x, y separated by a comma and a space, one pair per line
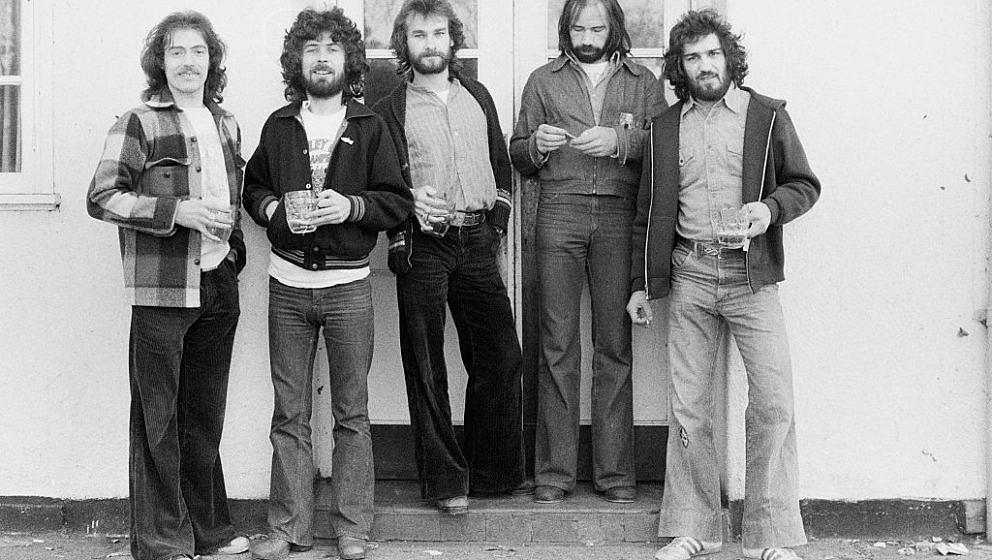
449, 146
711, 153
150, 162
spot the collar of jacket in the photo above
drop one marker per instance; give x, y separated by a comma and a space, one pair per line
563, 60
164, 100
353, 110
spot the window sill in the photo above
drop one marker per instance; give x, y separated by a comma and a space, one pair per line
46, 202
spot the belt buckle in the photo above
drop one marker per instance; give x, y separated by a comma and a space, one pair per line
707, 250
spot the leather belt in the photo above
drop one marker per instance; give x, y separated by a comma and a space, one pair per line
709, 249
463, 219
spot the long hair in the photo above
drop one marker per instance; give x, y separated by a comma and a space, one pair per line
617, 42
310, 24
426, 8
692, 27
153, 54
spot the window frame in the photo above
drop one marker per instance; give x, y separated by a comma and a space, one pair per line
33, 187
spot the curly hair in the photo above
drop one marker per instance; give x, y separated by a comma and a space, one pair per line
619, 39
160, 36
426, 8
310, 24
693, 26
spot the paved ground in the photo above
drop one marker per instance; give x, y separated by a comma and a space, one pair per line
77, 546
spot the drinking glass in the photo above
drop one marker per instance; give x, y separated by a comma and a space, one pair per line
439, 227
224, 233
731, 227
300, 206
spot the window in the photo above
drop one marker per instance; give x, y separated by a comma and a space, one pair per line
25, 110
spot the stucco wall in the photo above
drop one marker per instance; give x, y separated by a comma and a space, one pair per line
884, 275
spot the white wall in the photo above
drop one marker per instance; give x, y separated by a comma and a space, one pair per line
890, 99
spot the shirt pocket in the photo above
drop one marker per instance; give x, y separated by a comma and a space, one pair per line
735, 158
166, 176
690, 170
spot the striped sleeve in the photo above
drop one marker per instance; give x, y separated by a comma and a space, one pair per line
113, 194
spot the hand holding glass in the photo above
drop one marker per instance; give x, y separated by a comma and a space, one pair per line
731, 227
438, 220
300, 206
225, 217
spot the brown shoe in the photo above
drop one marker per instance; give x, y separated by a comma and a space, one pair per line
350, 548
620, 494
457, 505
549, 495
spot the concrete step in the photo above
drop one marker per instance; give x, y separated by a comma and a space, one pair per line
584, 517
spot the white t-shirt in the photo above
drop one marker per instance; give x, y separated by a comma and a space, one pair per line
213, 179
321, 131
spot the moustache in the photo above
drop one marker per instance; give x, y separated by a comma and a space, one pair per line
321, 68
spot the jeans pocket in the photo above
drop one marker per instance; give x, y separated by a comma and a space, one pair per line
679, 256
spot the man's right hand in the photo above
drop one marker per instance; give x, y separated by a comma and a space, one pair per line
202, 215
639, 308
429, 205
550, 138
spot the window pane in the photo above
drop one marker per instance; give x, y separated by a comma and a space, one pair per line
382, 78
379, 16
10, 38
10, 129
644, 19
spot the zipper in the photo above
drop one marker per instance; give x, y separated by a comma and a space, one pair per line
761, 191
647, 231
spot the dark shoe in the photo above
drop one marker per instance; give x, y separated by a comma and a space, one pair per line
620, 494
549, 495
350, 548
457, 505
525, 488
274, 548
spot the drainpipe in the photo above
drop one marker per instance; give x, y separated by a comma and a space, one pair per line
984, 27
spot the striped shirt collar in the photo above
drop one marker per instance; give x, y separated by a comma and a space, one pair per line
734, 99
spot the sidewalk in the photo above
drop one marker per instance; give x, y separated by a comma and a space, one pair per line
79, 546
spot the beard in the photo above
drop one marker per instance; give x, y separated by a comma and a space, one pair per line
323, 86
708, 93
435, 66
588, 54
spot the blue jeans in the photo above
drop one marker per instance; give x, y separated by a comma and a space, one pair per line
460, 270
708, 295
178, 367
296, 316
579, 238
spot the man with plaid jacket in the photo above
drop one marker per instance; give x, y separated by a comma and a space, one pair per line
169, 179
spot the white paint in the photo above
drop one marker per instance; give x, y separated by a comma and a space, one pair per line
882, 273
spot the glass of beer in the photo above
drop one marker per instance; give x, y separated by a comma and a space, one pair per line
731, 227
300, 206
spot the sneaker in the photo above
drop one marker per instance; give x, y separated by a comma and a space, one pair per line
236, 546
773, 553
684, 548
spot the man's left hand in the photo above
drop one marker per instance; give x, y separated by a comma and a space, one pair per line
759, 216
332, 208
597, 141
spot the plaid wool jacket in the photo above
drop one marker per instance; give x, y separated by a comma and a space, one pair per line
150, 163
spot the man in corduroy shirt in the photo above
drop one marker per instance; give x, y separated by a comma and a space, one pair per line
169, 179
581, 130
448, 136
723, 150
